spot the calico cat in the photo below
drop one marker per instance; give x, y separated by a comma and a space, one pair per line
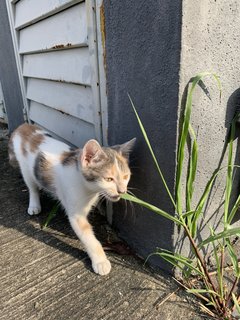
78, 178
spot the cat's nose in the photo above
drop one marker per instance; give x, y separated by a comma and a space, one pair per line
122, 190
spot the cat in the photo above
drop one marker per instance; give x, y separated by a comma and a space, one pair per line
76, 177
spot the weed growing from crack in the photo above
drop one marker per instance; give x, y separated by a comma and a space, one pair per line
216, 299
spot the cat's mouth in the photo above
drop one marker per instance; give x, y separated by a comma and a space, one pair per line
113, 198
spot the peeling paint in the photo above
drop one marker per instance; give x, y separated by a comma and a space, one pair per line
68, 82
61, 46
63, 112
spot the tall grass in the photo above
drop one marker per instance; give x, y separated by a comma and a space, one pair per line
217, 299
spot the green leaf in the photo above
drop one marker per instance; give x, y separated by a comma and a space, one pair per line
169, 258
234, 210
236, 303
218, 264
184, 134
51, 215
180, 259
229, 173
151, 207
188, 214
229, 217
191, 174
151, 151
233, 257
202, 202
203, 291
222, 235
192, 168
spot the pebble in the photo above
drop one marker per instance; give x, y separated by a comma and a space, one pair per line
125, 303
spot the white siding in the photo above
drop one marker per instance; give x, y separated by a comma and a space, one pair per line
74, 130
64, 65
68, 28
57, 46
69, 98
30, 11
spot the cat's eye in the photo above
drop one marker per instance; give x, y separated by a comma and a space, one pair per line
125, 177
108, 179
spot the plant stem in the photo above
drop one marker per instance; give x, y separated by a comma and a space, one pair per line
203, 264
221, 276
231, 291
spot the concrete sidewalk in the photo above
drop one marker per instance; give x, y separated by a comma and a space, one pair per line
45, 274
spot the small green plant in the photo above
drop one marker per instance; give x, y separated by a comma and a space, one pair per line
218, 300
51, 215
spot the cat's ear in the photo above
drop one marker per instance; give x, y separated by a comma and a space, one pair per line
125, 148
92, 153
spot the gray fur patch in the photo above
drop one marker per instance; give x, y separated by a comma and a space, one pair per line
42, 172
70, 158
95, 170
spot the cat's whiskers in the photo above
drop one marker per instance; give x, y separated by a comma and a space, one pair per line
101, 198
130, 192
131, 188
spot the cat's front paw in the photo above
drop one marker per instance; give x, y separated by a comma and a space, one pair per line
103, 268
34, 210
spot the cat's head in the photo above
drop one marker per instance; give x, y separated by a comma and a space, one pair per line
106, 169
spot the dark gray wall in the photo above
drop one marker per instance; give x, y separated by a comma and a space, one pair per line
8, 73
143, 40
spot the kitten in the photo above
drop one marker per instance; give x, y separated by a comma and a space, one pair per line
78, 178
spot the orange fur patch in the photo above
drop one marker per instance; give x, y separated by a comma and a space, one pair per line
12, 157
29, 137
84, 225
122, 162
99, 251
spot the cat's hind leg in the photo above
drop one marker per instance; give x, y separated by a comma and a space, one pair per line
34, 200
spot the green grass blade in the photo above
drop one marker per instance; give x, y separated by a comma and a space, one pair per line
180, 259
229, 217
191, 174
222, 235
149, 206
172, 262
229, 174
175, 259
236, 303
233, 257
192, 168
234, 210
51, 215
203, 291
218, 265
188, 214
184, 134
202, 202
151, 151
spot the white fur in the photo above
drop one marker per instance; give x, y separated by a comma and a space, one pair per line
75, 193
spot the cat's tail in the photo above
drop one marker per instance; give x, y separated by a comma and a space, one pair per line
11, 153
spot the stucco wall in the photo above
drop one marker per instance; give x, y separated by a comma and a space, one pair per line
210, 42
143, 41
8, 73
153, 48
